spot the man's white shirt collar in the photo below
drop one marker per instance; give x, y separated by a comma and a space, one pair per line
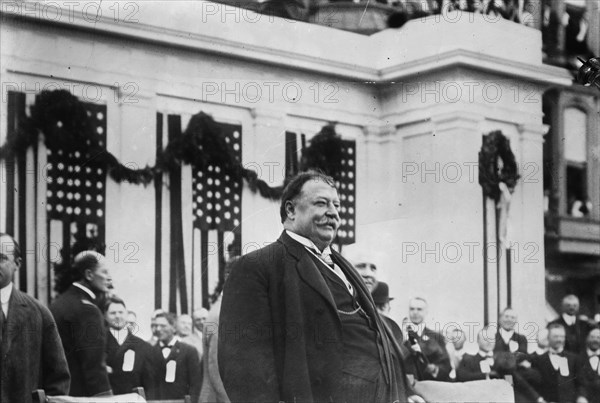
174, 340
120, 334
5, 294
506, 334
308, 243
312, 248
87, 290
569, 319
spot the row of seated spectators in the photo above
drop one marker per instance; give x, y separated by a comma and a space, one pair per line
564, 367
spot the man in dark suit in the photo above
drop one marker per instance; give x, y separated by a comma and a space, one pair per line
576, 328
560, 380
81, 325
507, 339
427, 347
179, 372
297, 321
31, 354
474, 367
590, 367
128, 358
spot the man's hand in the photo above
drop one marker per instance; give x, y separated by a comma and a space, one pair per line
417, 399
433, 370
416, 348
525, 364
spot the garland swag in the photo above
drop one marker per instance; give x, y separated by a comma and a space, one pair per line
497, 164
65, 124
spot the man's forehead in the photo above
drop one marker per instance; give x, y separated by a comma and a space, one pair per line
365, 265
7, 245
316, 187
417, 303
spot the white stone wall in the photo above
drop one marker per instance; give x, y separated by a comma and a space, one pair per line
395, 93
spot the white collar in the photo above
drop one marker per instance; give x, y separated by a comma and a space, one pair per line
485, 354
308, 243
5, 293
506, 334
84, 288
120, 334
174, 340
590, 352
569, 319
417, 328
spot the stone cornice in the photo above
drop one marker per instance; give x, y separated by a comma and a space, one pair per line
216, 29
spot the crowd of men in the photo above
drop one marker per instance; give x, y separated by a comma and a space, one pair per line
86, 343
297, 321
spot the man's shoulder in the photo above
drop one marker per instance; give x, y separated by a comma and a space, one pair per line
271, 253
186, 348
25, 299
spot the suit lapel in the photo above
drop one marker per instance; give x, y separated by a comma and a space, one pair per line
17, 308
306, 268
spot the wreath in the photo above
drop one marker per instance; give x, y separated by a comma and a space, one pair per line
497, 165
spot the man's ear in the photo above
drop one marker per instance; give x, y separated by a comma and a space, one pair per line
18, 262
88, 274
290, 209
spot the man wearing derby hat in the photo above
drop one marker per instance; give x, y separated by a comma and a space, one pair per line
381, 297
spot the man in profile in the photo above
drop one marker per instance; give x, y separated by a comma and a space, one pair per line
32, 355
81, 325
298, 322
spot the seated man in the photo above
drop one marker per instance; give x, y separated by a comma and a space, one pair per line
590, 363
487, 365
506, 338
427, 347
455, 349
559, 370
481, 365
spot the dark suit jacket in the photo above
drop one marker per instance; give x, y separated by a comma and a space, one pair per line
590, 379
280, 335
575, 335
554, 387
143, 372
501, 346
470, 368
188, 372
81, 327
433, 346
32, 355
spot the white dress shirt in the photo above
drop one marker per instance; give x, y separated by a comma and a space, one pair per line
5, 294
569, 319
322, 256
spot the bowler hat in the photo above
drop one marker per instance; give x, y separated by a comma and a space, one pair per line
381, 293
